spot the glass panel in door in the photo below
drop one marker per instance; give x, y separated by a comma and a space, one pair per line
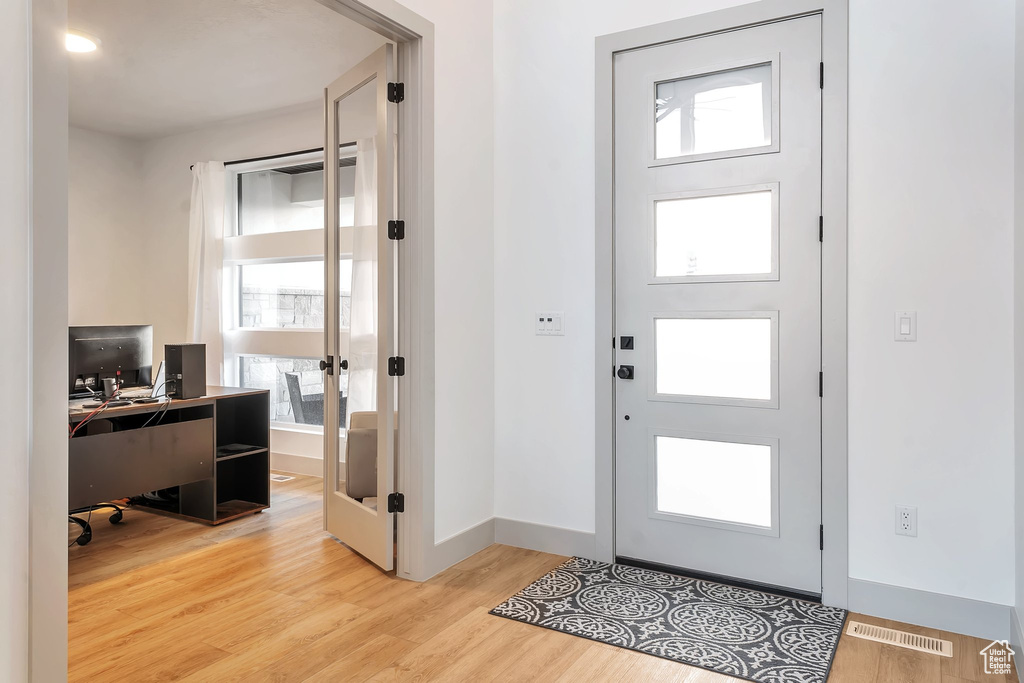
358, 279
715, 112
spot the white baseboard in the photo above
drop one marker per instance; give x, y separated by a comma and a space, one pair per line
457, 548
977, 618
547, 539
1017, 641
296, 464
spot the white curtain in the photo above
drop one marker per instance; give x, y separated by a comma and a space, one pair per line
205, 322
362, 353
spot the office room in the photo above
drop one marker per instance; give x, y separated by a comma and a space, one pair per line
364, 340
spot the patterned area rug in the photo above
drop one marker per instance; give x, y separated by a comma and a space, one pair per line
744, 633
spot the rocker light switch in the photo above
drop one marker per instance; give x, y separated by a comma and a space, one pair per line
906, 326
550, 323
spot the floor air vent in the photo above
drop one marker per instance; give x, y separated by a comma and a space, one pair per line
890, 636
280, 477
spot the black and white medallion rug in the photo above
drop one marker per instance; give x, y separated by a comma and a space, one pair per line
735, 631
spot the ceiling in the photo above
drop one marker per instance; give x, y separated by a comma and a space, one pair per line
168, 66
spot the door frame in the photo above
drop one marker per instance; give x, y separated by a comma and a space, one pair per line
417, 558
834, 36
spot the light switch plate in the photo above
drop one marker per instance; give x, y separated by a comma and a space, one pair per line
905, 326
549, 323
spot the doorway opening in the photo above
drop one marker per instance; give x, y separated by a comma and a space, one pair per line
178, 107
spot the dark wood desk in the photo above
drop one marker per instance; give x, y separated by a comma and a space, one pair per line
214, 450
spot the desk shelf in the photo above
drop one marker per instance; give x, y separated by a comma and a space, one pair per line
238, 450
243, 456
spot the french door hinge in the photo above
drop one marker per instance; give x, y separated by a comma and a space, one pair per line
821, 537
396, 366
821, 75
821, 228
396, 230
821, 384
396, 92
396, 502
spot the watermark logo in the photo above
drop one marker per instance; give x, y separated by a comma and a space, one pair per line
998, 657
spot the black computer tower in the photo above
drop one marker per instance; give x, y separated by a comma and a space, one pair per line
185, 368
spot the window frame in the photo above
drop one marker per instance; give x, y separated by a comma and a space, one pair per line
652, 359
652, 234
709, 70
653, 512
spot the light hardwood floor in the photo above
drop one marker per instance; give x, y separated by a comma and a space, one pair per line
273, 598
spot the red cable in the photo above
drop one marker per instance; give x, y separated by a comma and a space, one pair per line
89, 416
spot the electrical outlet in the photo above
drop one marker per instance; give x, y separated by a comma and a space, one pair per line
906, 520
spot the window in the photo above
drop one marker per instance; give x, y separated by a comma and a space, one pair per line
274, 295
281, 200
716, 236
721, 358
282, 295
717, 114
712, 480
288, 295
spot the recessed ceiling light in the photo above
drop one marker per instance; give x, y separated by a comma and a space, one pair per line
76, 41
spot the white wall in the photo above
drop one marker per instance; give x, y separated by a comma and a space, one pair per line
930, 224
931, 216
463, 261
109, 233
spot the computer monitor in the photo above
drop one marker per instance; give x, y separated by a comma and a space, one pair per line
96, 353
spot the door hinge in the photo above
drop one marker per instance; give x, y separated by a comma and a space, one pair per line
821, 228
821, 537
396, 230
821, 384
396, 92
396, 366
821, 75
396, 502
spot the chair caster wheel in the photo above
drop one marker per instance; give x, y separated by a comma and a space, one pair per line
84, 538
116, 517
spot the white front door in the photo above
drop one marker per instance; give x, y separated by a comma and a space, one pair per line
718, 300
359, 418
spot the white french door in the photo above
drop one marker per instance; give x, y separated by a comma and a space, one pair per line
359, 419
717, 304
